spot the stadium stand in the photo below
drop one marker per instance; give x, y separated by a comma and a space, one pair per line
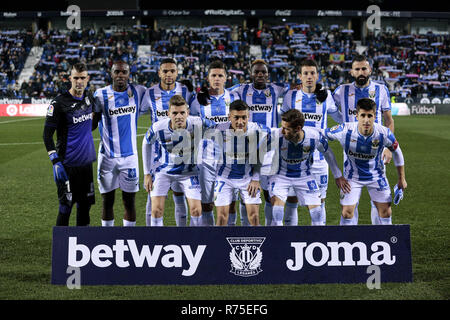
411, 65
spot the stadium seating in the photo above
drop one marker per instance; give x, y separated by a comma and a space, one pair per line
412, 66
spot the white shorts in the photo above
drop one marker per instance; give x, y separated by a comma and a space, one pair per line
113, 173
225, 191
264, 181
189, 185
306, 189
379, 191
322, 180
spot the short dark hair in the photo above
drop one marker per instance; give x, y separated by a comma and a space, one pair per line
308, 63
259, 61
168, 60
359, 58
238, 105
366, 104
79, 67
294, 117
177, 101
217, 64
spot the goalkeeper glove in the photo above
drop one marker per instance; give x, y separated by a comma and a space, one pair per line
188, 84
321, 94
59, 173
203, 96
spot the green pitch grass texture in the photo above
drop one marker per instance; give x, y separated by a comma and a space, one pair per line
28, 210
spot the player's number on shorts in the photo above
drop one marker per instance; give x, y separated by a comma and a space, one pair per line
216, 184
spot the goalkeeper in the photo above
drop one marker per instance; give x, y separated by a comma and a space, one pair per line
70, 115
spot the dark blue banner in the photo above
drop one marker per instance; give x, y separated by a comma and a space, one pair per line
231, 255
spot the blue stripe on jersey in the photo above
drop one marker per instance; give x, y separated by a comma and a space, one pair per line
379, 166
360, 93
166, 159
274, 108
183, 93
218, 107
377, 101
308, 104
237, 170
108, 122
347, 146
346, 107
121, 99
323, 125
153, 101
136, 101
280, 141
363, 146
293, 97
309, 162
294, 151
165, 97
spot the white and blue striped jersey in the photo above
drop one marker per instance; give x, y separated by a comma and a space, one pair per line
178, 147
263, 104
240, 150
347, 95
295, 159
120, 112
315, 114
362, 155
159, 99
217, 110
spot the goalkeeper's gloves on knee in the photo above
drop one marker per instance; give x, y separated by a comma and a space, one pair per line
59, 173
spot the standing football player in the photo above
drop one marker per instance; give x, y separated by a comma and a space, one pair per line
346, 97
118, 106
159, 96
213, 103
70, 115
315, 104
262, 99
363, 142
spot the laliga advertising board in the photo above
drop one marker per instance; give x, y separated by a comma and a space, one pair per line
230, 255
23, 110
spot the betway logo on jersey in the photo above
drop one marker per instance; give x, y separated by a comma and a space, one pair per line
82, 118
218, 119
360, 155
294, 161
379, 254
352, 112
126, 253
163, 113
121, 111
313, 116
259, 108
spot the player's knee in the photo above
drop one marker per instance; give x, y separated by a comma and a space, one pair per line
196, 211
347, 213
385, 212
108, 200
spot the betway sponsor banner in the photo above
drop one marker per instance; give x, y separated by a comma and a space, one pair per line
23, 110
230, 255
429, 109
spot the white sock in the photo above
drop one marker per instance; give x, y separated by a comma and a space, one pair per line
208, 218
385, 220
195, 221
232, 219
268, 213
157, 222
243, 213
127, 223
108, 223
277, 215
374, 214
324, 214
347, 222
148, 211
180, 210
356, 215
316, 216
291, 214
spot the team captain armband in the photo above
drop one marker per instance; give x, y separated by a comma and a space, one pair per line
394, 146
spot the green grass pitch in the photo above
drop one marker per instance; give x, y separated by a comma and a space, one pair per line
28, 209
